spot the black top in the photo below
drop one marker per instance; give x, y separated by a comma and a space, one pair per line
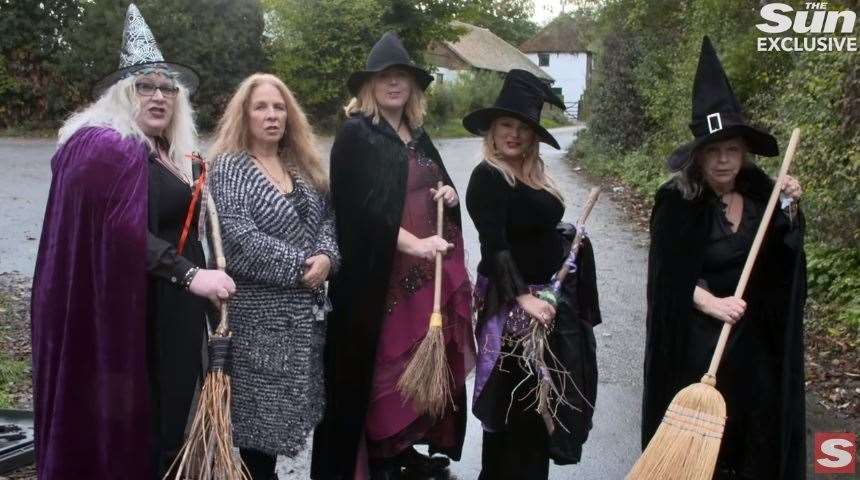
520, 219
725, 252
168, 204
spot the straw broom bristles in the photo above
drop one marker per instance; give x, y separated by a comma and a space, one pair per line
687, 442
426, 380
208, 451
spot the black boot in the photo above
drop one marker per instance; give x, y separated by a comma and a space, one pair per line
385, 469
417, 463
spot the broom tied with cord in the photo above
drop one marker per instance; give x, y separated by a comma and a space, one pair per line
208, 450
537, 358
426, 380
687, 442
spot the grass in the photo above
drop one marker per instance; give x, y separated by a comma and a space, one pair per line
24, 132
12, 374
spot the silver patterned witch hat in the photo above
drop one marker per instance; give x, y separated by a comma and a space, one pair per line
140, 52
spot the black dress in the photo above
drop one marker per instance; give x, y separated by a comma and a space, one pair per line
175, 325
761, 373
521, 245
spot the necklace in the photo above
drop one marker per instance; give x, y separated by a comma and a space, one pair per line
280, 185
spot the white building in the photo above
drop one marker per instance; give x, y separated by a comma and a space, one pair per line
560, 52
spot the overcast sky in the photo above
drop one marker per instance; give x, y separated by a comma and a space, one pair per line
546, 10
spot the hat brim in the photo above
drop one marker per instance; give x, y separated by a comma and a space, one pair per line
357, 79
758, 142
185, 75
479, 121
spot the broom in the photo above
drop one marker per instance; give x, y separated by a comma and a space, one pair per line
539, 360
208, 451
426, 381
687, 442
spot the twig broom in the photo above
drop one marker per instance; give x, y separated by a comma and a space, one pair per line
208, 451
426, 381
687, 442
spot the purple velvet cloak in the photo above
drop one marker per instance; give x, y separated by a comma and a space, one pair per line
91, 395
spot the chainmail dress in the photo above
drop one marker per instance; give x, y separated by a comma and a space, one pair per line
278, 324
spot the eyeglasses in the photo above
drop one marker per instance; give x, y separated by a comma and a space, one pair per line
148, 89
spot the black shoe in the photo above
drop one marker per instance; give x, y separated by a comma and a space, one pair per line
418, 463
385, 470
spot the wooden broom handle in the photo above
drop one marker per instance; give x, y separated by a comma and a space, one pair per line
437, 280
759, 238
218, 251
593, 195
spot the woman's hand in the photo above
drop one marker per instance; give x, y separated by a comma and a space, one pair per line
537, 308
426, 248
448, 194
791, 187
215, 285
317, 268
726, 309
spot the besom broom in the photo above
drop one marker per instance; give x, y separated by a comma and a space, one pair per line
208, 451
426, 380
687, 442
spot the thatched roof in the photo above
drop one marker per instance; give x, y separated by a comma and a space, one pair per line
481, 48
562, 35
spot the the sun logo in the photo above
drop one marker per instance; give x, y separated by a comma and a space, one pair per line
826, 30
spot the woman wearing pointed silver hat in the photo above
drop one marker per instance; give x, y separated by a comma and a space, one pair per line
702, 227
120, 288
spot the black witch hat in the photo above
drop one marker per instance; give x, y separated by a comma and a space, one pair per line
717, 115
522, 97
140, 52
388, 52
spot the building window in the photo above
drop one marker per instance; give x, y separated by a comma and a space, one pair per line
543, 59
440, 78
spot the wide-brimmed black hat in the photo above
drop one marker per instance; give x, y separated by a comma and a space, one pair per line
388, 52
522, 97
717, 114
140, 52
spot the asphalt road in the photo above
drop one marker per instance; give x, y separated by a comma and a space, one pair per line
621, 257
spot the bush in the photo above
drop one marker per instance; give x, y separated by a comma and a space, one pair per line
638, 106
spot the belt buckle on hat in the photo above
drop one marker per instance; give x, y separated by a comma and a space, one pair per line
711, 128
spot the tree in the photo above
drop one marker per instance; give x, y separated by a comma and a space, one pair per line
509, 19
316, 44
220, 39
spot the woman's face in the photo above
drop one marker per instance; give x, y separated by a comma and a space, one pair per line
512, 137
156, 97
721, 161
392, 88
267, 114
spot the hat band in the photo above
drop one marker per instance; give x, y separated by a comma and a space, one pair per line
715, 122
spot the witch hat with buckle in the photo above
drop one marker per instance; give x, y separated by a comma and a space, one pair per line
522, 97
717, 114
388, 52
140, 52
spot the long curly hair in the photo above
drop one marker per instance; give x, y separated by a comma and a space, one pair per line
298, 152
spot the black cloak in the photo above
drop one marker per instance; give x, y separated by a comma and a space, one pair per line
369, 169
761, 375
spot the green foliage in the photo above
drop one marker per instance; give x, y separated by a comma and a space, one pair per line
317, 44
12, 374
509, 19
56, 50
638, 106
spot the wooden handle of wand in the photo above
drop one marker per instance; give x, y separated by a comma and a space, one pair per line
593, 195
218, 251
437, 281
759, 238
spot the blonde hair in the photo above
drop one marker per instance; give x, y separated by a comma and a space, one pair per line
534, 169
365, 103
298, 151
118, 108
